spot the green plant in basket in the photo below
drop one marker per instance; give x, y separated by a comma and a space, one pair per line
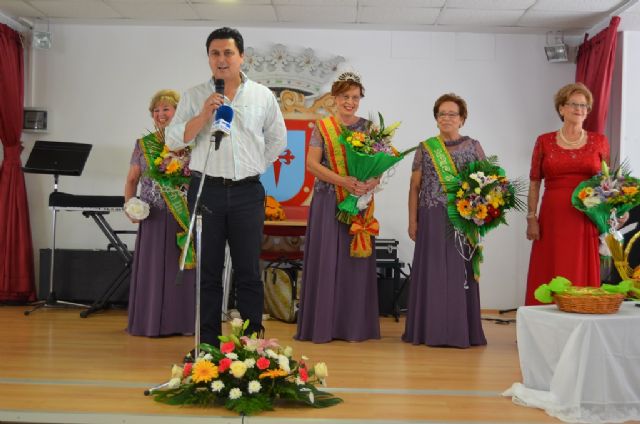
560, 285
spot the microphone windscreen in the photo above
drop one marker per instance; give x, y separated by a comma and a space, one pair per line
222, 121
224, 112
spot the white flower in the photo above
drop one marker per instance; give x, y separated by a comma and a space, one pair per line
176, 371
174, 383
236, 323
304, 358
254, 386
136, 208
299, 382
235, 393
250, 362
271, 354
217, 386
320, 369
208, 357
288, 351
283, 363
591, 201
232, 355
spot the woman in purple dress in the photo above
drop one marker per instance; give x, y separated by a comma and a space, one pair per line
339, 298
157, 306
444, 299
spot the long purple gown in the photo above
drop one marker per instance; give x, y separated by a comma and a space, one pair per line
339, 298
157, 306
441, 311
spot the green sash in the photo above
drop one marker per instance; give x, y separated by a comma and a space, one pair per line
448, 174
151, 146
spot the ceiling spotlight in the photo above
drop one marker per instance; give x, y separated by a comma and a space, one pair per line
42, 39
557, 53
556, 50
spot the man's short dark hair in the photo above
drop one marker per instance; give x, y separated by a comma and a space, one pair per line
225, 33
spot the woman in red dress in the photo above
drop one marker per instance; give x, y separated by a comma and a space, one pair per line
565, 241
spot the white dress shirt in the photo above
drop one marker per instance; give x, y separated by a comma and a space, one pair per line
258, 133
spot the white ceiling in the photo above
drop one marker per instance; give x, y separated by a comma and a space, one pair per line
573, 17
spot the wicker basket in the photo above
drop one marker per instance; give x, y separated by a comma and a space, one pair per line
588, 303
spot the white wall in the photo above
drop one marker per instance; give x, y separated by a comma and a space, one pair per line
96, 82
629, 94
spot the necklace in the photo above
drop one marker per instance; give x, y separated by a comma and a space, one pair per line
575, 143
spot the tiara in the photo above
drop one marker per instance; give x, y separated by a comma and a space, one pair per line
349, 76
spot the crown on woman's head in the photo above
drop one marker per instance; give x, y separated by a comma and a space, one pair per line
349, 76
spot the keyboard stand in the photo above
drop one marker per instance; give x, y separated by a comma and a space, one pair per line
127, 258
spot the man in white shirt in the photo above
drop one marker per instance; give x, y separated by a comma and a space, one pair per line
232, 195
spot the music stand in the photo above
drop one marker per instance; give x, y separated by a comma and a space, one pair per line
56, 158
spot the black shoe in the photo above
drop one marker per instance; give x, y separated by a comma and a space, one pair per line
189, 357
258, 330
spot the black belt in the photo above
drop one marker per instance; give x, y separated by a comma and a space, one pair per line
226, 181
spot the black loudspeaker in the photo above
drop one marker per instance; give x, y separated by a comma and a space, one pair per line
82, 276
387, 293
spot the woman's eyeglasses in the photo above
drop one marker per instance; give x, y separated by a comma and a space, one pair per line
581, 106
441, 115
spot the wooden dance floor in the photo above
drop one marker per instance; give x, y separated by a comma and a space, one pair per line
56, 367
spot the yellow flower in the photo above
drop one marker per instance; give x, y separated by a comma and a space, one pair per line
477, 190
464, 207
238, 368
355, 142
174, 166
273, 374
465, 185
481, 212
157, 161
630, 190
204, 371
460, 193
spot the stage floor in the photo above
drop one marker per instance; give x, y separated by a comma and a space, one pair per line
56, 367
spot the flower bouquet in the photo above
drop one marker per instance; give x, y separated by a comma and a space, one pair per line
171, 174
136, 208
607, 192
166, 167
368, 154
477, 200
246, 375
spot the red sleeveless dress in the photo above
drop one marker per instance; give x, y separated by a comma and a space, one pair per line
568, 244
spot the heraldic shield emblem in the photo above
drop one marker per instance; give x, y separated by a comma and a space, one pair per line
287, 178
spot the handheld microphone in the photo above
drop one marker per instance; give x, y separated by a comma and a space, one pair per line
222, 124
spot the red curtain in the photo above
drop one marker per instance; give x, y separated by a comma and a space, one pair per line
596, 58
16, 251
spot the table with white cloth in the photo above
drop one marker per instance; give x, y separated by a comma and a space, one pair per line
579, 367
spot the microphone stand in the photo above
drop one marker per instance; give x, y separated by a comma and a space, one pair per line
196, 220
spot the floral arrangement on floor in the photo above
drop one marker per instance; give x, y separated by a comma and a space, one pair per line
246, 375
606, 192
369, 154
560, 285
477, 200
